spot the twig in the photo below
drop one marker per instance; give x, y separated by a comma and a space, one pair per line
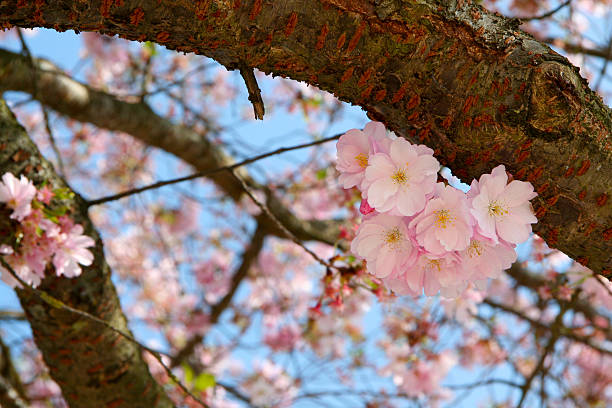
490, 381
279, 224
556, 333
58, 304
548, 13
253, 89
569, 334
199, 174
233, 391
604, 67
12, 315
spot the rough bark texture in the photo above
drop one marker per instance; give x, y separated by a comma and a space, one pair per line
448, 74
94, 366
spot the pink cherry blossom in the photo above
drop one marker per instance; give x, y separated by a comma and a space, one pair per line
401, 180
445, 274
45, 195
484, 259
503, 210
73, 251
445, 224
463, 306
22, 269
383, 241
424, 377
354, 148
17, 194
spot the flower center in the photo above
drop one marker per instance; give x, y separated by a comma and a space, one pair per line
400, 177
432, 265
444, 218
362, 160
475, 249
496, 209
394, 238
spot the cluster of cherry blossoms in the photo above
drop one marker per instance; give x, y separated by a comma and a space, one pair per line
418, 233
43, 234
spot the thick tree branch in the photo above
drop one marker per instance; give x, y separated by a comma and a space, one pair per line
450, 74
93, 365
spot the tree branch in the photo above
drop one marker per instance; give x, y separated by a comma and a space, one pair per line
535, 282
539, 325
449, 74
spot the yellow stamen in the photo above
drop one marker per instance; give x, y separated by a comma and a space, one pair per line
362, 159
444, 218
475, 249
399, 177
496, 209
394, 237
433, 263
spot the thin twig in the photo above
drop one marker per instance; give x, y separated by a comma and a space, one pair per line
550, 346
12, 315
279, 224
253, 89
604, 67
569, 333
548, 13
199, 174
58, 304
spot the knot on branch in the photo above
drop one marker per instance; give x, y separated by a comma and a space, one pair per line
555, 98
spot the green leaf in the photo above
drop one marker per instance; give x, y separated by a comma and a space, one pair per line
188, 374
204, 381
321, 174
63, 194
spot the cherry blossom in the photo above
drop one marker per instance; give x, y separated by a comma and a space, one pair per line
503, 210
384, 242
418, 235
445, 224
72, 251
354, 148
17, 194
400, 180
484, 259
41, 240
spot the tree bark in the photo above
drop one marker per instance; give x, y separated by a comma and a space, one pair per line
449, 74
94, 366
